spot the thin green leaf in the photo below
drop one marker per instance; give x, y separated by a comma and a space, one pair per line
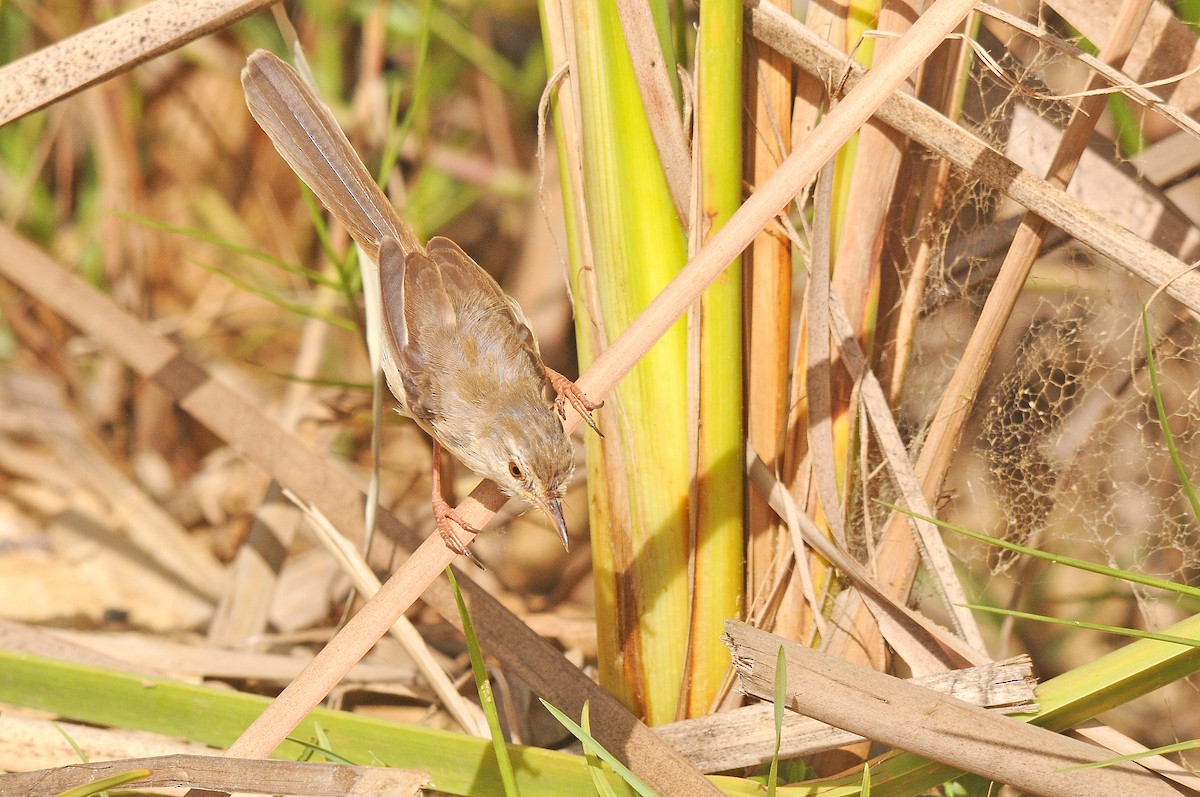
1110, 629
780, 696
322, 746
343, 384
475, 51
345, 263
216, 717
299, 308
1078, 564
866, 780
589, 743
418, 108
78, 750
1152, 367
484, 686
1178, 747
595, 765
229, 246
102, 785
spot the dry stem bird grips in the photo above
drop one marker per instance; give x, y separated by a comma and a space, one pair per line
458, 353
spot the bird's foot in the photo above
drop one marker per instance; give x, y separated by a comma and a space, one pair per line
449, 523
567, 390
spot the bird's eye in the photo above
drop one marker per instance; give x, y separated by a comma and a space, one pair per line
514, 470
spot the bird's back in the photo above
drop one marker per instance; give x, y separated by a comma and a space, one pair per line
464, 348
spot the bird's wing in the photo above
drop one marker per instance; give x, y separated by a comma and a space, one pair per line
464, 277
408, 372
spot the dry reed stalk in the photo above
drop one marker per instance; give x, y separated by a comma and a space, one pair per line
108, 49
932, 725
942, 87
768, 268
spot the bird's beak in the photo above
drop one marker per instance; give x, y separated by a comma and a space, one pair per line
552, 509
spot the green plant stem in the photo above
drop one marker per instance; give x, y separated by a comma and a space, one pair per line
717, 573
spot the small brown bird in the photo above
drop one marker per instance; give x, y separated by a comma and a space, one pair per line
458, 353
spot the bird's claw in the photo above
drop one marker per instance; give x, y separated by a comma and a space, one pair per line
447, 521
568, 391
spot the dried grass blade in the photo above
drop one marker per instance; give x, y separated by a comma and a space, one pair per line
926, 647
366, 583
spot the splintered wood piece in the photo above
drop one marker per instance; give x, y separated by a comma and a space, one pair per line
745, 737
218, 773
941, 728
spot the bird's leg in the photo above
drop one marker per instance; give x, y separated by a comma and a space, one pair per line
446, 517
567, 390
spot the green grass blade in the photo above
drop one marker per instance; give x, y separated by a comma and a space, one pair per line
1110, 629
417, 114
104, 784
484, 687
595, 766
595, 747
322, 746
229, 246
83, 756
1079, 564
459, 764
345, 263
341, 384
298, 308
1152, 368
1178, 747
780, 696
477, 53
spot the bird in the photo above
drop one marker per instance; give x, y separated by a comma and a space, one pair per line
458, 353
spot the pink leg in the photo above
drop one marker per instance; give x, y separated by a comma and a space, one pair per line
446, 517
569, 391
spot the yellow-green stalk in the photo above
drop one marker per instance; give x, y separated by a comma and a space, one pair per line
639, 492
716, 335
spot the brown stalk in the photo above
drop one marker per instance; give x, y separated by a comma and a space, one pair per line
100, 52
245, 602
745, 737
768, 270
940, 89
211, 772
859, 277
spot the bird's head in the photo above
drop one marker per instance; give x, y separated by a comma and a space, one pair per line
527, 453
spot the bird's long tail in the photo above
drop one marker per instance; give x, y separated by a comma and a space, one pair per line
310, 140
